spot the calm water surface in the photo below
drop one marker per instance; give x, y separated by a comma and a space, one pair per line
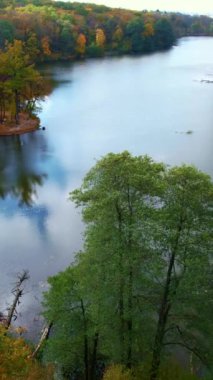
141, 104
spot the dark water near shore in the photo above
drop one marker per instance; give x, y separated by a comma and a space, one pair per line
142, 104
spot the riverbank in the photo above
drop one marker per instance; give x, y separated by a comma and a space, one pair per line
26, 124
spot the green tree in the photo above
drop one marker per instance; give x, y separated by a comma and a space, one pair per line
73, 345
145, 267
183, 246
67, 36
32, 47
115, 238
197, 29
7, 32
144, 241
134, 31
164, 34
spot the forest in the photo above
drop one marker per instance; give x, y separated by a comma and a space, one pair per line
137, 301
54, 30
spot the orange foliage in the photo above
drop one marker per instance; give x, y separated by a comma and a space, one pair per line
15, 361
81, 44
45, 43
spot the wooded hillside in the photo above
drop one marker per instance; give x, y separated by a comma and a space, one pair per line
63, 30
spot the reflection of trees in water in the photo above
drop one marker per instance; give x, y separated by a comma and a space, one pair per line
20, 175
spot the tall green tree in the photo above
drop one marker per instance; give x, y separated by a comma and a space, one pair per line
145, 268
114, 239
183, 245
117, 196
73, 345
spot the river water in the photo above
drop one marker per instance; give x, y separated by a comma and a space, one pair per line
142, 104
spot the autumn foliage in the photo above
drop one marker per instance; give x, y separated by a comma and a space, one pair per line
171, 371
117, 372
54, 30
81, 44
15, 361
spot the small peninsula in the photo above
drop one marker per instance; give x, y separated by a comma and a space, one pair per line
26, 124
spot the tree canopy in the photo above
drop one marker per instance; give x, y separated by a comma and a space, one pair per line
134, 294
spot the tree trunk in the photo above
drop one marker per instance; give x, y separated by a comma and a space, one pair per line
158, 344
94, 357
2, 107
18, 292
121, 288
129, 323
164, 311
86, 356
44, 336
17, 107
130, 284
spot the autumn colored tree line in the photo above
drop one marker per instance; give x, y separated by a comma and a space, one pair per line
59, 30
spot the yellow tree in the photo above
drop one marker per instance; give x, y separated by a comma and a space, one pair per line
16, 362
100, 37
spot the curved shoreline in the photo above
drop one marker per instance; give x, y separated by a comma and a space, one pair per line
26, 125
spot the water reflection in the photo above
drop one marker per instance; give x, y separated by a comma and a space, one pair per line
141, 104
39, 227
19, 174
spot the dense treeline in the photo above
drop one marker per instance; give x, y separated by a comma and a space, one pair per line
140, 293
56, 30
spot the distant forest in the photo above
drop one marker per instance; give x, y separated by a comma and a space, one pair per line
54, 30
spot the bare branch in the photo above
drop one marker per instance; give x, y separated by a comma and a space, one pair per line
194, 350
17, 291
